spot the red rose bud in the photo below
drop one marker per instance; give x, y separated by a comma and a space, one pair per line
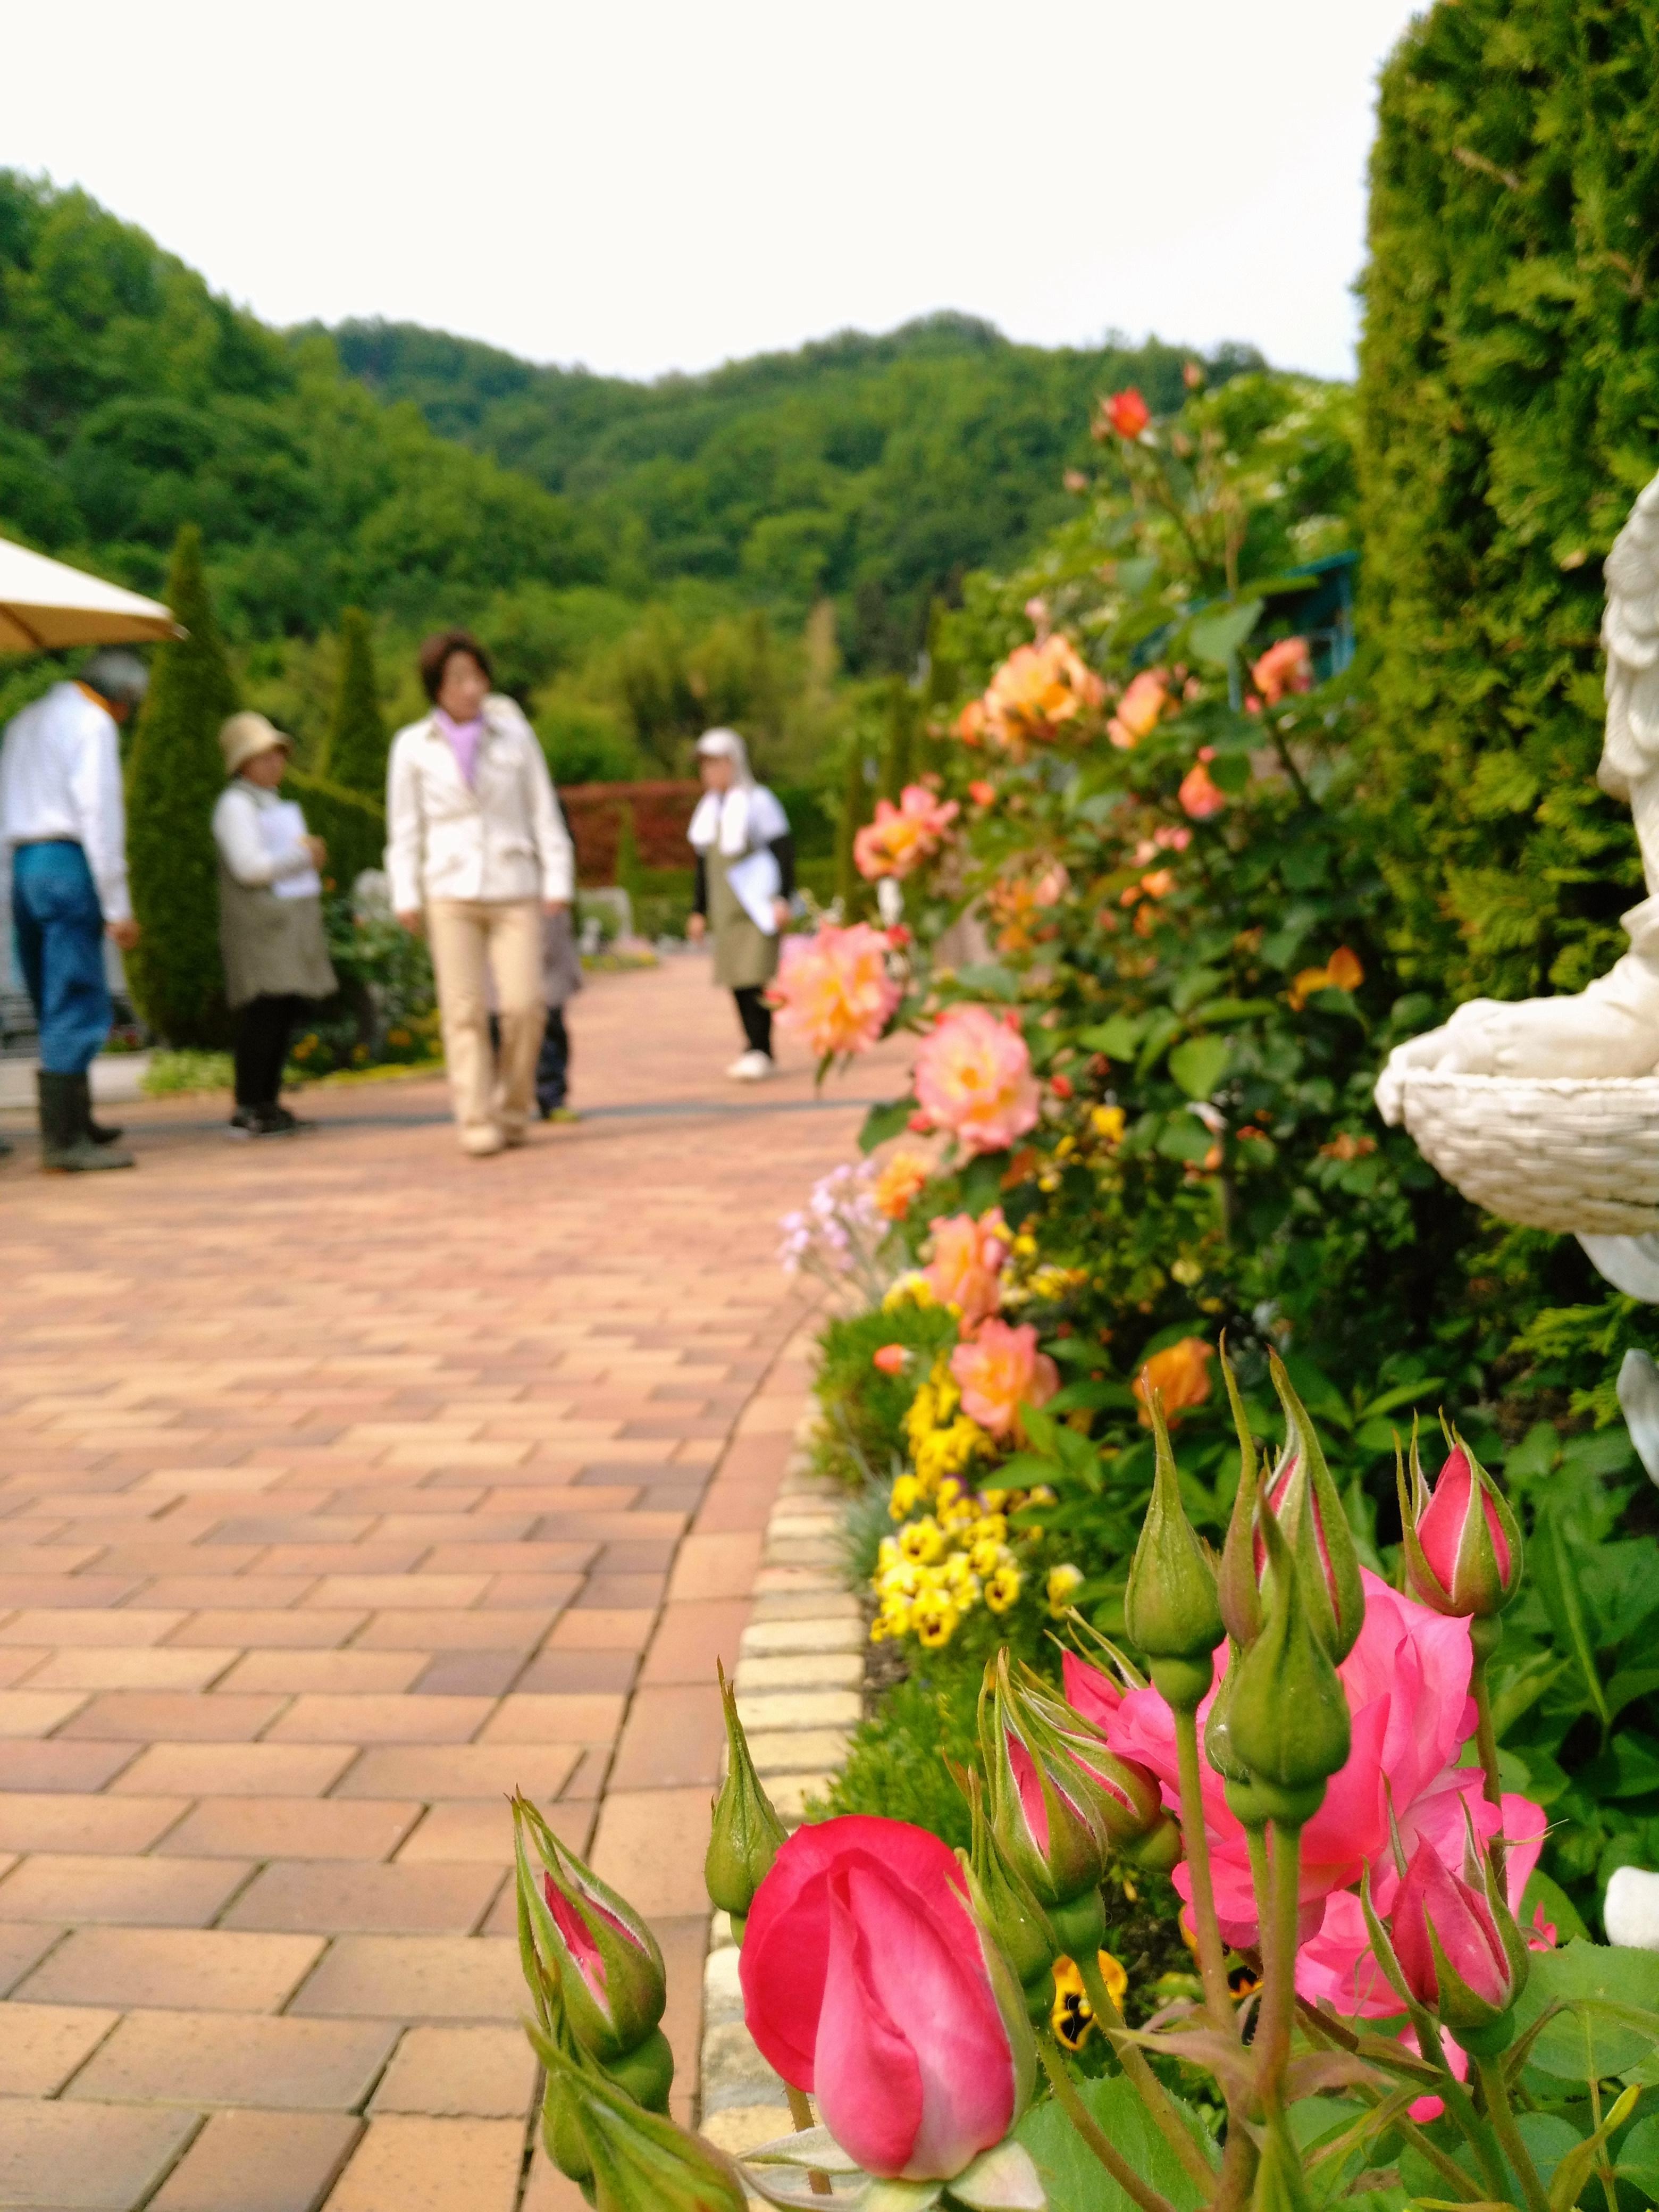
1456, 1957
898, 937
1060, 1085
1125, 413
982, 794
1039, 1810
1170, 1607
920, 1124
891, 1358
1302, 1496
593, 1944
1463, 1553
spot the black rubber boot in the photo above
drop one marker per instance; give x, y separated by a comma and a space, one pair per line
101, 1134
66, 1144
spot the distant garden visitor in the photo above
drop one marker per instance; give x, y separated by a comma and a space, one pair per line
271, 919
62, 818
745, 879
478, 852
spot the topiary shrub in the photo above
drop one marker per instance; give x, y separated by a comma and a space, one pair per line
1509, 411
350, 823
356, 750
174, 774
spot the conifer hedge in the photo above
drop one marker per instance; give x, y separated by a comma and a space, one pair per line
358, 743
1510, 413
174, 774
350, 823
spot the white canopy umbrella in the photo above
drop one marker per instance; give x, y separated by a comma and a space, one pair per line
45, 603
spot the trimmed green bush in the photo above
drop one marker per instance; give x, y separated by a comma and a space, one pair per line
174, 776
350, 823
1510, 412
356, 750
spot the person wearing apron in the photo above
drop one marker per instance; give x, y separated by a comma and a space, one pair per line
745, 879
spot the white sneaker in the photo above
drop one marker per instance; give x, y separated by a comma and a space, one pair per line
753, 1067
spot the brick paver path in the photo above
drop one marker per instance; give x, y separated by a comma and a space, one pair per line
345, 1485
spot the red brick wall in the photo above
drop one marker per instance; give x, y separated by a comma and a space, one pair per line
662, 813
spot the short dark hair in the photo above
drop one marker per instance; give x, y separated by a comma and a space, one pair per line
434, 655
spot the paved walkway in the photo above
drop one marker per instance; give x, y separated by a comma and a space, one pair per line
345, 1485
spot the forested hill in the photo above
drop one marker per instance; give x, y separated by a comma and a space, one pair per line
875, 469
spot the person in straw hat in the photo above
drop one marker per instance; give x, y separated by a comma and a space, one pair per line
62, 817
271, 919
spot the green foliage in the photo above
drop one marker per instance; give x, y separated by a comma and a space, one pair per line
895, 1764
1508, 414
351, 824
873, 471
356, 750
175, 775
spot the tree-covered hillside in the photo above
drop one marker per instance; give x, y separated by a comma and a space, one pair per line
875, 471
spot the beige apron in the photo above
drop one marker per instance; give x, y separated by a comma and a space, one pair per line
746, 958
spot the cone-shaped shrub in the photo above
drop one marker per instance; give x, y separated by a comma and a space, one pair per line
174, 776
354, 756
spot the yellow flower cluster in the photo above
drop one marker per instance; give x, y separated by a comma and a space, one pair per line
952, 1552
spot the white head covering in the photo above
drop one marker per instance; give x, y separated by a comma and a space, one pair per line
742, 818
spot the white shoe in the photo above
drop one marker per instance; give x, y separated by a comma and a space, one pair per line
753, 1067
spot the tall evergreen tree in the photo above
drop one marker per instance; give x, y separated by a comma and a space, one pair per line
356, 750
174, 777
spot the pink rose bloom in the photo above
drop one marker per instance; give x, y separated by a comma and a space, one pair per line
966, 1268
974, 1078
1090, 1691
1407, 1685
865, 1983
1000, 1370
902, 837
832, 989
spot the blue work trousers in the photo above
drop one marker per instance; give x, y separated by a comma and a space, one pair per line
60, 943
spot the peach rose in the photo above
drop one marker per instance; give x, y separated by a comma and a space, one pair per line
1181, 1375
1201, 795
1286, 667
902, 837
1000, 1370
974, 1078
832, 989
1341, 972
1038, 694
966, 1268
1139, 710
902, 1179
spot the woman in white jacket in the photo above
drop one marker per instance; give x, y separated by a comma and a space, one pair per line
478, 850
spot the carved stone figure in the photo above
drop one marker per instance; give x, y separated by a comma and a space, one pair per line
1546, 1111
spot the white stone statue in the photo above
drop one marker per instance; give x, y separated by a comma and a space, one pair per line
1547, 1111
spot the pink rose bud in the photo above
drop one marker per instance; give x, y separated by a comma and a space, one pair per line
1090, 1691
1463, 1543
867, 1983
1451, 1950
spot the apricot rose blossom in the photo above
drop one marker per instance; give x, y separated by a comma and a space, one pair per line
832, 989
974, 1078
1041, 692
1179, 1375
901, 1180
966, 1268
1286, 667
1146, 701
902, 837
999, 1371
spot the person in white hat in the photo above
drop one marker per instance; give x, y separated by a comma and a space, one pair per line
745, 879
271, 919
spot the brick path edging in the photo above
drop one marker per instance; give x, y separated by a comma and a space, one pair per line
799, 1670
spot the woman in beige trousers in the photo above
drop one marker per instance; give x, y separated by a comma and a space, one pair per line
477, 853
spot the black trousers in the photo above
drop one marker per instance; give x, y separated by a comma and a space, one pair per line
757, 1018
552, 1062
265, 1028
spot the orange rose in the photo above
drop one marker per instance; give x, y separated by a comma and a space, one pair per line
999, 1371
1126, 414
1039, 694
1139, 710
902, 1179
1286, 667
966, 1268
1200, 796
1341, 972
1179, 1375
902, 837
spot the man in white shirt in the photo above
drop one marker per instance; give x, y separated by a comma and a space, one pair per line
62, 817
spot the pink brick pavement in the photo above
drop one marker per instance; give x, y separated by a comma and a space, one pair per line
345, 1484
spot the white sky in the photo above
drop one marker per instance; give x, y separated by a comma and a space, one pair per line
647, 184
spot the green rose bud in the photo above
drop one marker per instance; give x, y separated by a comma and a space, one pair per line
1005, 1909
1287, 1719
1310, 1512
1236, 1589
1038, 1808
748, 1835
1170, 1607
635, 2160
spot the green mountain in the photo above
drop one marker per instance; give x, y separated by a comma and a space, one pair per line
876, 471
